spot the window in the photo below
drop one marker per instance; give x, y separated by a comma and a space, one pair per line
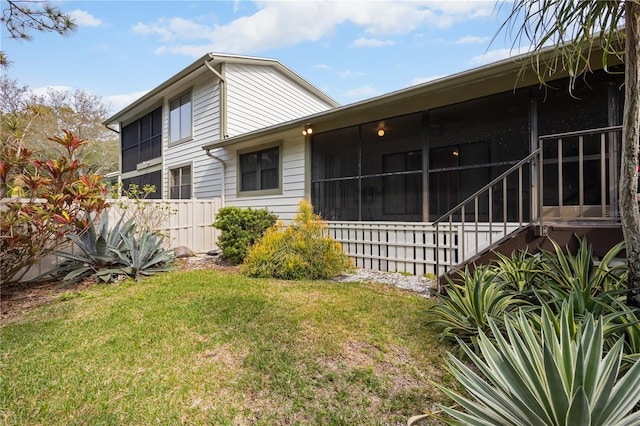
260, 170
141, 140
180, 183
180, 118
153, 178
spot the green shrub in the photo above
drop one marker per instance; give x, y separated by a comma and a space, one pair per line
241, 228
467, 307
576, 277
302, 250
519, 271
108, 254
561, 375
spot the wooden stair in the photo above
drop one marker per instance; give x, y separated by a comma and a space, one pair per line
602, 235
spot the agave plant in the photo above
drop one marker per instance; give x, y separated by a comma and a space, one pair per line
142, 255
467, 307
580, 272
576, 278
560, 376
519, 271
109, 253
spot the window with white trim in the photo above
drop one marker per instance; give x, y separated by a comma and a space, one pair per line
180, 121
180, 183
260, 170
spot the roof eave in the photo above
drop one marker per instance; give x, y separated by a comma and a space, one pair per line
218, 58
511, 67
439, 84
154, 92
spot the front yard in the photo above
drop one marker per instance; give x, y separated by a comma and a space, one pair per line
209, 347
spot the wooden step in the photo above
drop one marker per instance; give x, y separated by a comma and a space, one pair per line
602, 235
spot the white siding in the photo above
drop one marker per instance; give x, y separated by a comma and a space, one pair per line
206, 129
261, 96
257, 96
293, 174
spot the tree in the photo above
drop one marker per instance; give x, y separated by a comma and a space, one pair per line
575, 29
20, 17
31, 118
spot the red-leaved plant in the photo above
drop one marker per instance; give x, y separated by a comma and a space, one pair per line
45, 203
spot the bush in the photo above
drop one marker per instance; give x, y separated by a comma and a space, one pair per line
108, 254
300, 251
467, 307
241, 228
133, 203
51, 200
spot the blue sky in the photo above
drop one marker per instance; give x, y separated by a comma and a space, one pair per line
352, 50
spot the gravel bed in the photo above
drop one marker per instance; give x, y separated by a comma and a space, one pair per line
416, 283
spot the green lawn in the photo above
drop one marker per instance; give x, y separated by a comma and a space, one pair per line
206, 347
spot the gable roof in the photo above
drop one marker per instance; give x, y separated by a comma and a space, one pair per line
155, 95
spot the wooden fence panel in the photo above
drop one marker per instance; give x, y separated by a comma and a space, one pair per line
411, 247
188, 224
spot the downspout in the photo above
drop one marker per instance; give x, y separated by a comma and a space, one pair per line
119, 159
224, 174
223, 124
223, 98
113, 130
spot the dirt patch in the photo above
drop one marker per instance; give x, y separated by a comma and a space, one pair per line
17, 299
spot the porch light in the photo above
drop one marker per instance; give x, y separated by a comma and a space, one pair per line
381, 132
456, 153
307, 130
381, 129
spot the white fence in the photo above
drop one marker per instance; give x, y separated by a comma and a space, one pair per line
184, 222
411, 246
187, 224
408, 247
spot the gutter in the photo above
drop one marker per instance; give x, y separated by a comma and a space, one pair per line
113, 130
223, 97
224, 174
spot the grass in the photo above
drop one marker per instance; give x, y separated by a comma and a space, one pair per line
204, 347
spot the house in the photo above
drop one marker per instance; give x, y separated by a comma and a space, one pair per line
419, 180
216, 97
425, 178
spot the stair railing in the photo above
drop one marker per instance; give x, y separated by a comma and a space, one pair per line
604, 149
456, 253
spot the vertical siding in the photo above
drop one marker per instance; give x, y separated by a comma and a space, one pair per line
206, 129
261, 96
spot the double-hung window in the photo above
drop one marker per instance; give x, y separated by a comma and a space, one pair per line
260, 170
180, 122
180, 183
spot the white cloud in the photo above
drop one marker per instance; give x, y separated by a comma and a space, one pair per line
117, 102
45, 90
372, 42
173, 29
472, 40
420, 80
85, 19
278, 24
322, 66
